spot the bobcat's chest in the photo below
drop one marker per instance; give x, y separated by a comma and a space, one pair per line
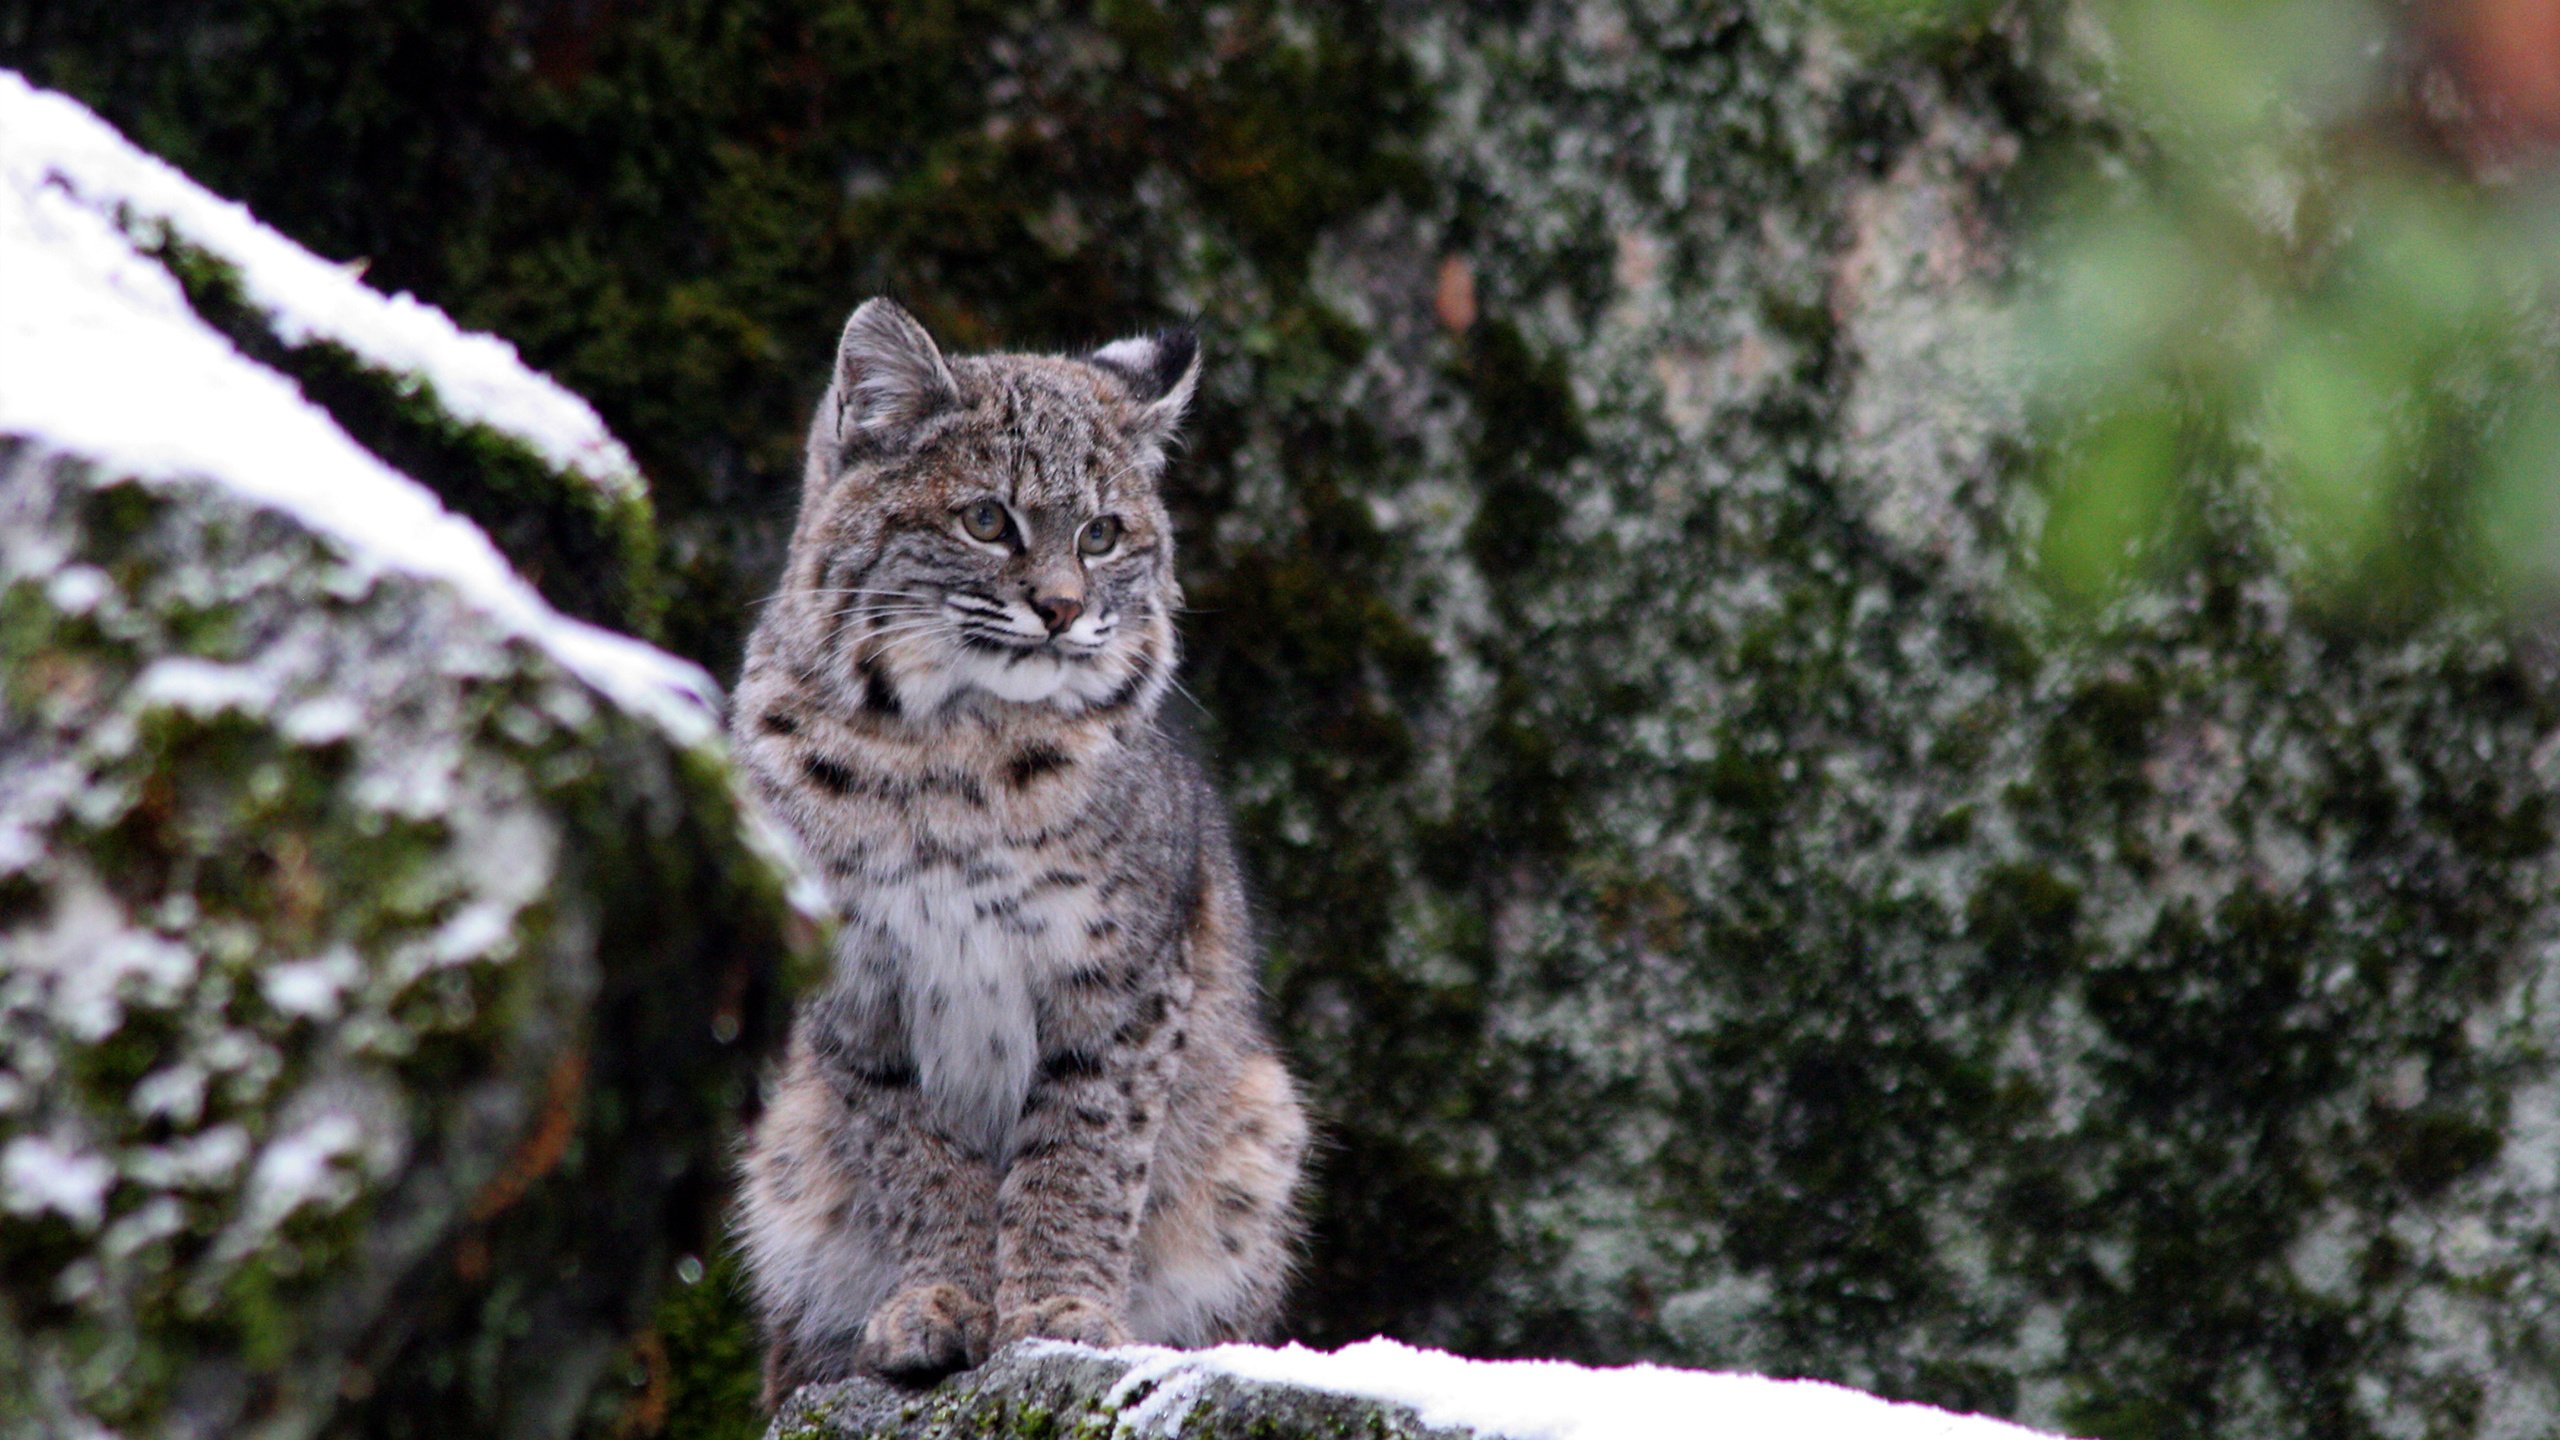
976, 925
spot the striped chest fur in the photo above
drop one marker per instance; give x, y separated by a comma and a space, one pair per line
974, 869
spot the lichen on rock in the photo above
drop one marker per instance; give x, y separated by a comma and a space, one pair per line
1801, 951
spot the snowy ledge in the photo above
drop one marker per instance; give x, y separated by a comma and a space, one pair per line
1377, 1388
51, 140
104, 361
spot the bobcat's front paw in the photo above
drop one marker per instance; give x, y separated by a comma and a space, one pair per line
925, 1332
1065, 1317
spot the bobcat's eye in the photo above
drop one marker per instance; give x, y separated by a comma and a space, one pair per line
984, 521
1099, 536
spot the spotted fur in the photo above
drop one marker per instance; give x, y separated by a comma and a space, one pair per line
1037, 1098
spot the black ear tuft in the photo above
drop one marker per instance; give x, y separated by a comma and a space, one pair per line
1151, 365
1175, 350
1160, 370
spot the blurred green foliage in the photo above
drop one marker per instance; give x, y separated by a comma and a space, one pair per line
2300, 294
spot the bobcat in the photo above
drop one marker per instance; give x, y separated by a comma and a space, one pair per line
1037, 1098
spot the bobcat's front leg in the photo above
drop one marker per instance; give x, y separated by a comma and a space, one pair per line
1067, 1213
936, 1211
869, 1234
937, 1207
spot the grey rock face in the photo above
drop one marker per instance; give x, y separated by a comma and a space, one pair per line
381, 956
1037, 1389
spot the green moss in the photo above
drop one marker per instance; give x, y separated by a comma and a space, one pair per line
1528, 430
2427, 1151
1278, 154
2026, 918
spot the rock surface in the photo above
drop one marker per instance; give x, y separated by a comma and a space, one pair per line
1377, 1390
382, 954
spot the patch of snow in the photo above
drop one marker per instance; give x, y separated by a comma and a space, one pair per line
154, 1220
311, 988
20, 848
37, 1175
95, 963
300, 1168
201, 687
1161, 1410
175, 1094
322, 720
1552, 1400
479, 378
77, 589
512, 858
194, 1162
101, 358
477, 932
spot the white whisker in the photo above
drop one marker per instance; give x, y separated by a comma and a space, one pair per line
1185, 692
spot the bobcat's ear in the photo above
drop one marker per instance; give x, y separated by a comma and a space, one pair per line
1161, 371
889, 377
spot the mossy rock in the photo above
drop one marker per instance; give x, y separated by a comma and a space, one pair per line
384, 957
582, 533
1043, 1391
378, 990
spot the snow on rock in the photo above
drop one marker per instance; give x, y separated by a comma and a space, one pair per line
1377, 1387
50, 141
102, 357
37, 1175
1551, 1400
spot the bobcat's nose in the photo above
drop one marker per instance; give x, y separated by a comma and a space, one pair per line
1057, 611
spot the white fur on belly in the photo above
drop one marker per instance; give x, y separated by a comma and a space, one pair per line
968, 985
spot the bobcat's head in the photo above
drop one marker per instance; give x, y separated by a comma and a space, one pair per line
984, 531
